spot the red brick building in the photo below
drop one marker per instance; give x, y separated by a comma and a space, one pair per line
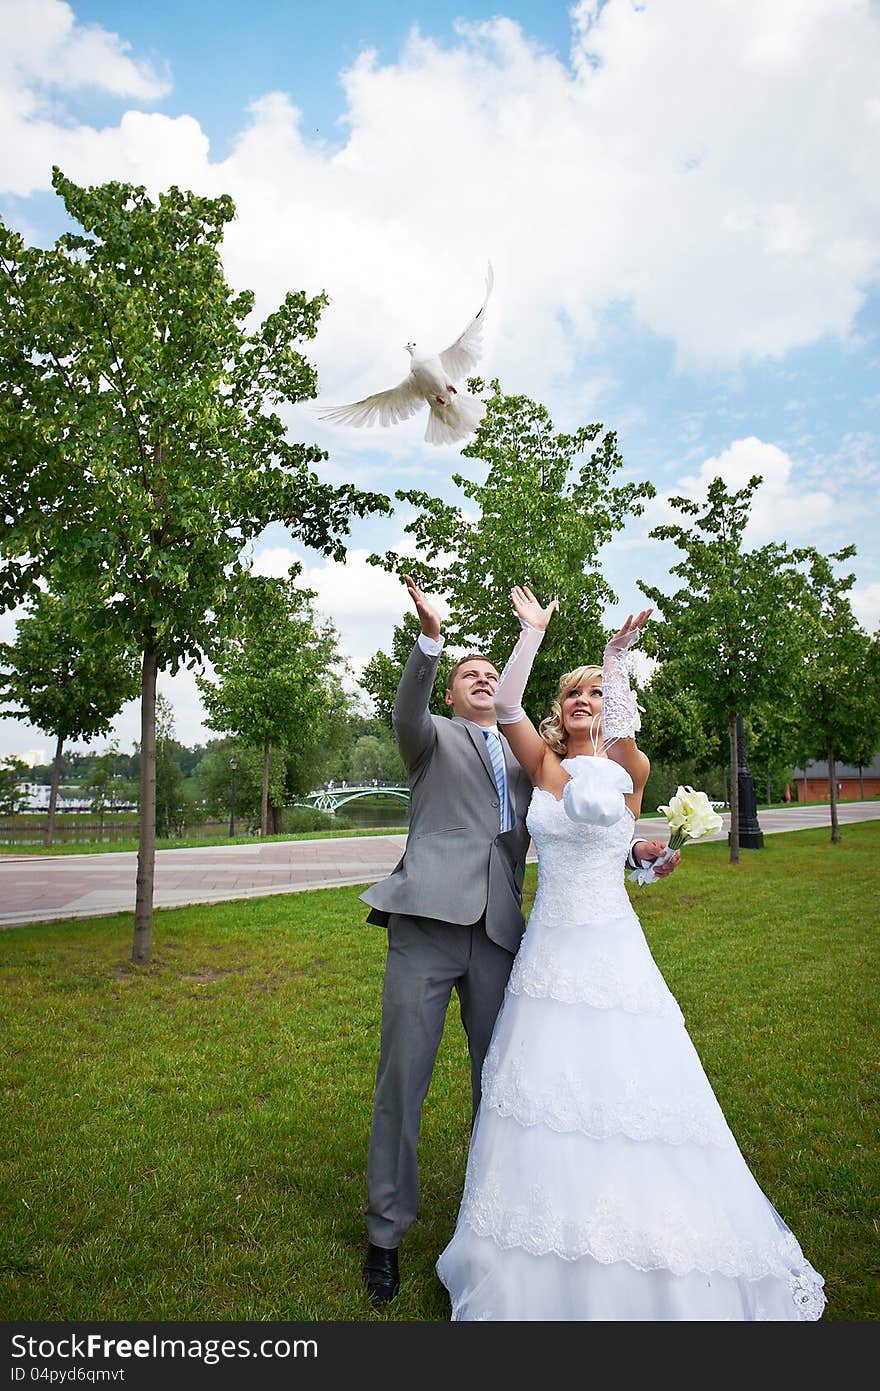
811, 784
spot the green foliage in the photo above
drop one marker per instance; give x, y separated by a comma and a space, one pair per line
676, 734
839, 690
105, 788
173, 807
275, 681
297, 820
67, 671
140, 453
382, 672
13, 772
731, 634
213, 780
773, 741
76, 766
375, 757
548, 505
674, 723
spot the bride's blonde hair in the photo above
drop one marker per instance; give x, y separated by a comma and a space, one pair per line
552, 729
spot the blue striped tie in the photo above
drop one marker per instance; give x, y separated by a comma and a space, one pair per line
496, 754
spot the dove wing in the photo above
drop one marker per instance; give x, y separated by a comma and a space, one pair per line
464, 354
383, 408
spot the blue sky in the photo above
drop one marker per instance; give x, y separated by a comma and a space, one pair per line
680, 203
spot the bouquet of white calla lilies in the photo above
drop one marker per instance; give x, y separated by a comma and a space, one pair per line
691, 816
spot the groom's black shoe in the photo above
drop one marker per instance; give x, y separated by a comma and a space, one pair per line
380, 1274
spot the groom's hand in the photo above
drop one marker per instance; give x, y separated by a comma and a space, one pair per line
428, 617
645, 852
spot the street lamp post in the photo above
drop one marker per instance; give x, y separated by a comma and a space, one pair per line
233, 764
751, 837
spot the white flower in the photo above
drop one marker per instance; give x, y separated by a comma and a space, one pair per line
691, 816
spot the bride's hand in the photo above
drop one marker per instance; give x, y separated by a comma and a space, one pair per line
630, 631
528, 610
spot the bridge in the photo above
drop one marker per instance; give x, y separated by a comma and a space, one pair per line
333, 797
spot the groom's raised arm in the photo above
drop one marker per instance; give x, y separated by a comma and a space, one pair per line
413, 725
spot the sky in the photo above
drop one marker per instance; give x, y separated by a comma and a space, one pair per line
679, 200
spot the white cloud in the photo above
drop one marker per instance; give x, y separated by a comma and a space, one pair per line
364, 602
782, 508
44, 47
710, 165
866, 606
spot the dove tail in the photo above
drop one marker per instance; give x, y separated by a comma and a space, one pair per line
461, 417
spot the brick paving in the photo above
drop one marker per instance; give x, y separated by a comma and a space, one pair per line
43, 888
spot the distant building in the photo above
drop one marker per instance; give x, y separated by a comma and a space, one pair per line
37, 797
35, 758
812, 782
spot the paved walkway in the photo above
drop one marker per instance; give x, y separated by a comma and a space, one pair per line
42, 888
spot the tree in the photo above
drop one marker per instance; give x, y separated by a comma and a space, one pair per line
140, 451
68, 673
107, 789
307, 757
542, 515
382, 672
213, 780
731, 633
172, 803
376, 757
338, 761
13, 772
840, 686
772, 736
674, 726
274, 679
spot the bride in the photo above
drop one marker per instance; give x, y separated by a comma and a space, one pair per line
603, 1181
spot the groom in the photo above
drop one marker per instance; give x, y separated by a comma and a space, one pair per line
452, 907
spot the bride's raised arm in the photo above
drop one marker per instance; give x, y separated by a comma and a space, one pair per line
619, 718
527, 745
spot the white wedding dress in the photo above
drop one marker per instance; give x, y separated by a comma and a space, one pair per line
603, 1181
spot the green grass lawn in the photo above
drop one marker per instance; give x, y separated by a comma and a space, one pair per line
187, 1141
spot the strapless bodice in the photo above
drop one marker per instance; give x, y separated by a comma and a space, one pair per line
580, 866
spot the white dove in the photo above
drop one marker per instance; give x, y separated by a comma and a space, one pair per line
453, 413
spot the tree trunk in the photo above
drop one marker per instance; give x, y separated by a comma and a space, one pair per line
769, 788
143, 914
805, 782
733, 837
832, 793
264, 800
861, 782
53, 793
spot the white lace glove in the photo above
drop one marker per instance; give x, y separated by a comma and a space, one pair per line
594, 796
512, 681
620, 715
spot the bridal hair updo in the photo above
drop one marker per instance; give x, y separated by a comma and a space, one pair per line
552, 729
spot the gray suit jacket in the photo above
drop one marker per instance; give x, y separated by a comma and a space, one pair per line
457, 864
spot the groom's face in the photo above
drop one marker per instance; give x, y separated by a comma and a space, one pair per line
472, 692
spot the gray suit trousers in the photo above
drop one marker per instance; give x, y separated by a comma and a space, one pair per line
427, 959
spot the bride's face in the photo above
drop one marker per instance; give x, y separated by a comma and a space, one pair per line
582, 708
